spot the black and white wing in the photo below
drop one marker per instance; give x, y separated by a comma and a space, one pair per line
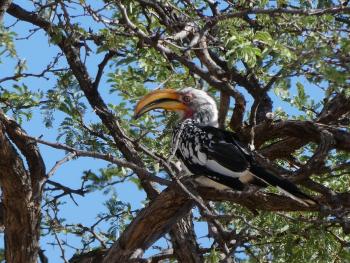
216, 154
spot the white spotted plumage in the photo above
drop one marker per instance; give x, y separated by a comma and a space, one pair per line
192, 141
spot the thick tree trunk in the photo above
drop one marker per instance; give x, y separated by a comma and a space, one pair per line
21, 194
22, 221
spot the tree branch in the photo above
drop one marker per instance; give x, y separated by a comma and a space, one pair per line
28, 148
334, 109
311, 131
223, 109
277, 11
101, 67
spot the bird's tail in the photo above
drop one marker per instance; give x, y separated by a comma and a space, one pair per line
282, 184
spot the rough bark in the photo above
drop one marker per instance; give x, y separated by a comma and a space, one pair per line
311, 132
4, 5
21, 206
149, 225
184, 241
95, 256
2, 217
334, 109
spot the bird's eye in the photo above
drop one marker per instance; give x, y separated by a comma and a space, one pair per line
186, 98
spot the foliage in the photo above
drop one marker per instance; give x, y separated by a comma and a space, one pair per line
300, 61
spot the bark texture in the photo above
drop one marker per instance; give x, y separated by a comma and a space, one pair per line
4, 5
149, 225
184, 242
21, 203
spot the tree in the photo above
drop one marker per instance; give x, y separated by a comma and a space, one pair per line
250, 55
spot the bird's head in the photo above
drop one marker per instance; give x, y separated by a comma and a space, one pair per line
189, 103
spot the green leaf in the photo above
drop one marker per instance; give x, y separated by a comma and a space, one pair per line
214, 256
264, 37
301, 93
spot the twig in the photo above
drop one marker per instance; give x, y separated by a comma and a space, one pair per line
101, 67
43, 258
252, 130
67, 158
60, 246
176, 143
165, 81
224, 106
49, 68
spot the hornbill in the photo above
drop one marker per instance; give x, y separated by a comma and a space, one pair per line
205, 150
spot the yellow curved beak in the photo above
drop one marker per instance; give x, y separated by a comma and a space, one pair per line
167, 99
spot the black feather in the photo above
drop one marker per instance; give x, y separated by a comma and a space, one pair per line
270, 179
228, 155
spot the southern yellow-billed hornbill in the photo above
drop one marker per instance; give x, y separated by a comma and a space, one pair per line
206, 150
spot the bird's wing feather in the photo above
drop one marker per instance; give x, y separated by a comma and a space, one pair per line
229, 137
227, 155
225, 150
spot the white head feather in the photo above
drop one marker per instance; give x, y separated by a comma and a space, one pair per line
203, 106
